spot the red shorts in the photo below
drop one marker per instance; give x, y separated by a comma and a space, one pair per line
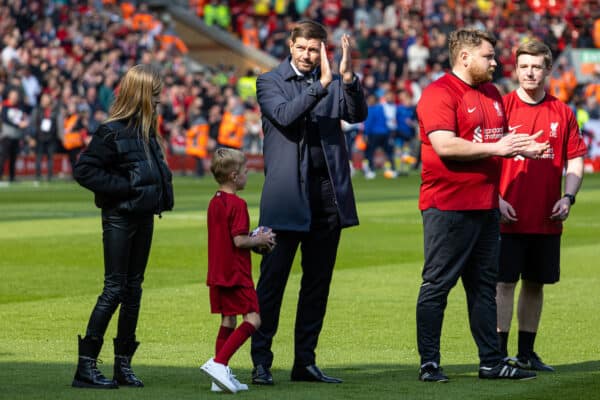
235, 300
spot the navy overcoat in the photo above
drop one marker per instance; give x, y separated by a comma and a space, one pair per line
287, 102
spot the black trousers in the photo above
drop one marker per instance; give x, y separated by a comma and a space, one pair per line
9, 150
127, 241
44, 148
318, 253
459, 244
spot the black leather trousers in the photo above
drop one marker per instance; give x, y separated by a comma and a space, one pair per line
127, 241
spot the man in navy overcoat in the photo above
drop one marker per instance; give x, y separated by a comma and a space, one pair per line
307, 196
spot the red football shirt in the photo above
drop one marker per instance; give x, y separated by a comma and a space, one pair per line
228, 265
532, 187
472, 113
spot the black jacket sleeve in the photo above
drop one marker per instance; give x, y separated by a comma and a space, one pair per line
96, 168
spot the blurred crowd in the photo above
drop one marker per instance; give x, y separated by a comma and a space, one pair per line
61, 61
402, 44
60, 64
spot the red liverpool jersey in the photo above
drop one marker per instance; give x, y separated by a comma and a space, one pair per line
228, 265
532, 187
474, 114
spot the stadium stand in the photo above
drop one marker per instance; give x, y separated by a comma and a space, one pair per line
76, 51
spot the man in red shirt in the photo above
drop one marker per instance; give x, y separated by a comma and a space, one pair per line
462, 125
531, 206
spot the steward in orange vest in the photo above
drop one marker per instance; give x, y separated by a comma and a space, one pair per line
74, 131
196, 143
74, 136
231, 130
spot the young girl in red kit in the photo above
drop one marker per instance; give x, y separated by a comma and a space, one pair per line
229, 278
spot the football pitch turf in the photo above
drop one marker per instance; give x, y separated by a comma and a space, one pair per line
51, 275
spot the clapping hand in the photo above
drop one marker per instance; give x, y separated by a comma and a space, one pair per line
326, 75
346, 61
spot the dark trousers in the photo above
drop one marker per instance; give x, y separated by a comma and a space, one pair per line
386, 142
9, 150
199, 166
44, 148
73, 155
459, 244
127, 241
318, 248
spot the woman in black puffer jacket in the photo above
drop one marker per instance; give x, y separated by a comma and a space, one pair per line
124, 165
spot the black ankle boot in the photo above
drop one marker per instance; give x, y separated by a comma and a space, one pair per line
124, 351
88, 375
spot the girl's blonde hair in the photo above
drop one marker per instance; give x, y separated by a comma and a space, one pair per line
134, 101
224, 162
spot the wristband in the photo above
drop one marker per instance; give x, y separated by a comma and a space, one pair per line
570, 197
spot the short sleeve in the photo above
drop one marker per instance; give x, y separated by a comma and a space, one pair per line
575, 145
437, 110
240, 222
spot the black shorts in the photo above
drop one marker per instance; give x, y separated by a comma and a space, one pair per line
532, 257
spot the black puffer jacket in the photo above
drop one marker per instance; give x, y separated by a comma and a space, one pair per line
123, 174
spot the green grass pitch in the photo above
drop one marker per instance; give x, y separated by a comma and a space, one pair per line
51, 274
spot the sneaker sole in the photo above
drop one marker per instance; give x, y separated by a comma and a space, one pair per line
220, 384
507, 378
435, 380
262, 382
85, 385
533, 368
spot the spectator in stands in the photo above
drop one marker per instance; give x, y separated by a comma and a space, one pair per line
46, 127
124, 166
14, 121
217, 12
246, 85
417, 55
253, 136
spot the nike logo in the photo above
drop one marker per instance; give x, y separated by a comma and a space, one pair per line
513, 129
470, 110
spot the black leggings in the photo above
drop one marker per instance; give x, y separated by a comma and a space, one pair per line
127, 241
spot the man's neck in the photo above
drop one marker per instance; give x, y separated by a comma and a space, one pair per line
532, 96
463, 76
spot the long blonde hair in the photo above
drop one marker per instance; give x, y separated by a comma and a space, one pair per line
134, 100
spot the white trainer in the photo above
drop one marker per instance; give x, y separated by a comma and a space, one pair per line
220, 374
240, 386
369, 175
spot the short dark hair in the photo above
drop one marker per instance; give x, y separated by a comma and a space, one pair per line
309, 30
467, 38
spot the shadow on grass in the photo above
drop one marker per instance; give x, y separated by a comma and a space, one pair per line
26, 380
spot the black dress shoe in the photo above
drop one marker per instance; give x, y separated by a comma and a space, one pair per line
312, 373
261, 375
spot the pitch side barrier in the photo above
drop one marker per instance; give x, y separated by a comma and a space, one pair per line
179, 164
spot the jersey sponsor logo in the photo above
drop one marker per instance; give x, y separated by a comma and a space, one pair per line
487, 134
477, 138
471, 110
553, 129
498, 109
548, 154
